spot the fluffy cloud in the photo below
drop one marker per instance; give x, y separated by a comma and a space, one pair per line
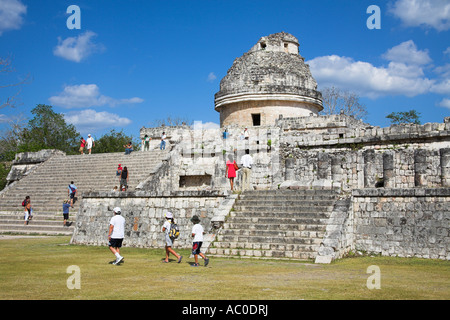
403, 74
91, 120
430, 13
198, 125
85, 96
445, 103
406, 52
11, 15
366, 79
77, 48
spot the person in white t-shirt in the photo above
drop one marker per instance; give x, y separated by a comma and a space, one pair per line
197, 234
116, 234
90, 143
247, 163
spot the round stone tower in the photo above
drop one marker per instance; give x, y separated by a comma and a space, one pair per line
270, 80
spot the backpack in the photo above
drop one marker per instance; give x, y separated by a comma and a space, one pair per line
174, 231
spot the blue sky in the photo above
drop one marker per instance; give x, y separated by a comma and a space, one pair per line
134, 62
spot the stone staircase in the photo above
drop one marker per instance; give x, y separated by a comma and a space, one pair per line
275, 224
47, 186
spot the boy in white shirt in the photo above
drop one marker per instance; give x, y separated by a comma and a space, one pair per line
197, 234
116, 234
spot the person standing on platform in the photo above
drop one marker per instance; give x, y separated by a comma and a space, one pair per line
247, 162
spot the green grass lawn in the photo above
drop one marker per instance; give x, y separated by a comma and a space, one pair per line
35, 268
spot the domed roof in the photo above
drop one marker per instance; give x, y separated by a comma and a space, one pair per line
272, 66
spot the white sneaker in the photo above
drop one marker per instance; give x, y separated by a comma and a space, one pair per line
118, 260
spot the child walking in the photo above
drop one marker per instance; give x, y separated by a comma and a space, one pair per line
168, 239
197, 234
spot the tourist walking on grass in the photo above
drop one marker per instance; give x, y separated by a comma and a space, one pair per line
168, 240
197, 234
231, 170
116, 234
124, 176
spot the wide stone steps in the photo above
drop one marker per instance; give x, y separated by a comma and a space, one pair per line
275, 224
43, 224
47, 186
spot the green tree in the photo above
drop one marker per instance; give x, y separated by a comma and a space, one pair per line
411, 116
114, 142
49, 130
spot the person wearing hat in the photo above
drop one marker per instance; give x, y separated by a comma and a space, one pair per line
197, 234
169, 241
90, 143
116, 234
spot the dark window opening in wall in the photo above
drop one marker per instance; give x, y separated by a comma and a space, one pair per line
341, 135
286, 47
195, 181
263, 45
256, 119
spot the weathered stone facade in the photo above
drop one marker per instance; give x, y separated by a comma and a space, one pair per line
268, 81
393, 183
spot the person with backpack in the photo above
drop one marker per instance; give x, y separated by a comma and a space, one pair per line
72, 192
168, 224
197, 234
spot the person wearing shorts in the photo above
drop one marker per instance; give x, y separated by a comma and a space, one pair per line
197, 234
72, 192
66, 206
116, 234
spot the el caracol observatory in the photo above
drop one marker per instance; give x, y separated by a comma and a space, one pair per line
269, 80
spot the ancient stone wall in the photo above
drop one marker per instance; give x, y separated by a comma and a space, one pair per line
402, 222
144, 214
350, 155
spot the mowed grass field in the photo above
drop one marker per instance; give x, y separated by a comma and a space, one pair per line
36, 268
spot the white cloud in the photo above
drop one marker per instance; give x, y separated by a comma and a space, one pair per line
403, 75
91, 120
198, 125
87, 95
445, 103
407, 52
442, 87
368, 80
77, 48
430, 13
211, 77
11, 12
